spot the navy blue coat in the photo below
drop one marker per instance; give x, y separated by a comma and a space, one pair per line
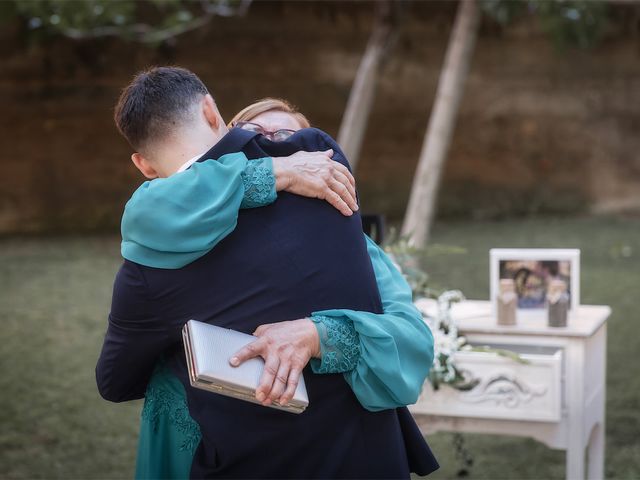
282, 262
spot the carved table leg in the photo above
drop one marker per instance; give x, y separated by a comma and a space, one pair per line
575, 411
595, 455
575, 460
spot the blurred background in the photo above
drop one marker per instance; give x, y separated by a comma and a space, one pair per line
534, 143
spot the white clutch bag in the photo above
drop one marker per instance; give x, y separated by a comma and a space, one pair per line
208, 349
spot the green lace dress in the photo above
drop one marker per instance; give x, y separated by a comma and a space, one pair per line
168, 435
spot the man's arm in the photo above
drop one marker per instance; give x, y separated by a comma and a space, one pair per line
136, 338
170, 222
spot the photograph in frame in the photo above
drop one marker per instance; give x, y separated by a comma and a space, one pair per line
532, 271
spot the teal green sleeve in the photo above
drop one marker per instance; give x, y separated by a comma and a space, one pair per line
170, 222
395, 347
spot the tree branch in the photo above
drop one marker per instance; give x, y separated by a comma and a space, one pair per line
146, 33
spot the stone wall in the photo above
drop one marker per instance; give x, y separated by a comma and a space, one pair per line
540, 130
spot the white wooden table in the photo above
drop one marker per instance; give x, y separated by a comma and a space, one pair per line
558, 397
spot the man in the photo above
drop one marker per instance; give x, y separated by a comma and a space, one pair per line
281, 262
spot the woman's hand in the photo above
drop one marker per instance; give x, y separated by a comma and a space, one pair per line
315, 175
286, 348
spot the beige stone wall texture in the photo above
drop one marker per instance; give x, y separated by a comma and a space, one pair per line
540, 130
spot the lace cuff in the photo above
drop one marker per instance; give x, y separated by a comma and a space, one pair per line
339, 344
259, 183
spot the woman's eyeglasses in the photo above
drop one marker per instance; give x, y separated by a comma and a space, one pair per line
276, 136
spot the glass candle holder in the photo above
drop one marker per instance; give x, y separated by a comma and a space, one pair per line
557, 303
507, 302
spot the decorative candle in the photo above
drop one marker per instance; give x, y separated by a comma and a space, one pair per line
507, 302
557, 303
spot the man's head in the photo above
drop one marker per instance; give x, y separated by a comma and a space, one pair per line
168, 116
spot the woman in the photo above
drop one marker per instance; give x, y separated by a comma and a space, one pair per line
273, 112
373, 351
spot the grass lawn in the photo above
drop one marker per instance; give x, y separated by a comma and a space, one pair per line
55, 293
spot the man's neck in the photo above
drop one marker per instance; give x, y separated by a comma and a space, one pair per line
184, 147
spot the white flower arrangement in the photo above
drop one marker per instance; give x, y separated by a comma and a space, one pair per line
446, 343
446, 339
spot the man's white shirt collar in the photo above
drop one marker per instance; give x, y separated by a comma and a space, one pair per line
190, 162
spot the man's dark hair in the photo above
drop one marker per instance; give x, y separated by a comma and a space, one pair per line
155, 102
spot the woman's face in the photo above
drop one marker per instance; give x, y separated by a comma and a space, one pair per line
276, 120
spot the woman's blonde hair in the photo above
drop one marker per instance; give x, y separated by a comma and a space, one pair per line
267, 105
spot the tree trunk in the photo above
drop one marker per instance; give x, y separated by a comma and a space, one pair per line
356, 115
424, 191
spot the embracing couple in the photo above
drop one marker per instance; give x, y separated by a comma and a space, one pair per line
255, 227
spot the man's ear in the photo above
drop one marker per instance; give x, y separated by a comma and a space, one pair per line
144, 165
211, 113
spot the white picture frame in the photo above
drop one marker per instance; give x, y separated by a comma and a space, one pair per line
542, 264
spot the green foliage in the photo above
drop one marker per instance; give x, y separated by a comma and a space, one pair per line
458, 381
410, 261
503, 12
407, 259
567, 22
146, 21
577, 23
59, 15
500, 352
